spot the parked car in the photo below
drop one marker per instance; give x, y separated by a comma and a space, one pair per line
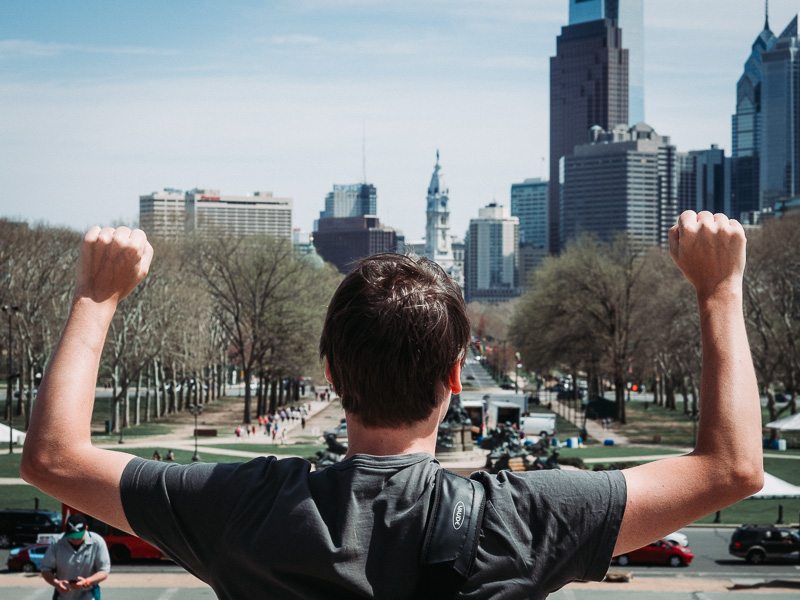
21, 525
759, 544
677, 538
122, 546
27, 559
660, 552
340, 431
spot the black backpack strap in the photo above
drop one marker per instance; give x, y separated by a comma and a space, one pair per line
451, 535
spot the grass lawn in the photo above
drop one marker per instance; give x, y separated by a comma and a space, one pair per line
614, 453
646, 425
22, 496
272, 449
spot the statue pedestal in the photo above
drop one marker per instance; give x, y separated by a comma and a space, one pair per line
452, 439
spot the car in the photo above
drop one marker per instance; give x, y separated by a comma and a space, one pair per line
783, 397
677, 538
660, 552
758, 544
22, 525
340, 431
507, 386
470, 377
27, 559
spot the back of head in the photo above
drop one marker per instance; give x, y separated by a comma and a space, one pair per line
394, 329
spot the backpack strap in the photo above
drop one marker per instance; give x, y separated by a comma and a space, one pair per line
451, 535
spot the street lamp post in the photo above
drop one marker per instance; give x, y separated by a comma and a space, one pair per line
10, 310
196, 410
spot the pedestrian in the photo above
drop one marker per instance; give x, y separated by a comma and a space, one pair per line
77, 562
388, 521
274, 432
156, 455
302, 422
283, 435
170, 455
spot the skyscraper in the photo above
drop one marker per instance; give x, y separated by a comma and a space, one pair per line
629, 15
623, 181
344, 240
529, 205
779, 175
746, 129
492, 264
353, 200
588, 87
712, 174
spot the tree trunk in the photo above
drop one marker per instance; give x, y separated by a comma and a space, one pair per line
273, 396
137, 401
619, 394
248, 372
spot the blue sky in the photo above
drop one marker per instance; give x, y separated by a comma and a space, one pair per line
103, 101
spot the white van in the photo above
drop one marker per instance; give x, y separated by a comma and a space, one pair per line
538, 424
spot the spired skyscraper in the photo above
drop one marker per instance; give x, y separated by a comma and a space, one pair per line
779, 176
746, 130
589, 83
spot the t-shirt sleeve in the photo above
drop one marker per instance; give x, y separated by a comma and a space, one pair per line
103, 560
179, 508
543, 529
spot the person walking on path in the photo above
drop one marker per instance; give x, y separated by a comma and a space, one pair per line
77, 562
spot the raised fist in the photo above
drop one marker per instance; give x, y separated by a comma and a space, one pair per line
710, 251
112, 262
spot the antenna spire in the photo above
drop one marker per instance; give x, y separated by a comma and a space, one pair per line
364, 150
766, 15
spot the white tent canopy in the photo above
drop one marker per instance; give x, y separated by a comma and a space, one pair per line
16, 435
790, 423
776, 488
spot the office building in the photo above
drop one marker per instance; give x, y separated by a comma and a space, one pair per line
623, 181
163, 214
261, 213
529, 205
712, 174
344, 240
588, 87
629, 15
492, 263
350, 201
779, 173
174, 213
746, 130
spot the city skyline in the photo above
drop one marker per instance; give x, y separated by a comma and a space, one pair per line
104, 105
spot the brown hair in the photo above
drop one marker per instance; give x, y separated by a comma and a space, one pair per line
395, 327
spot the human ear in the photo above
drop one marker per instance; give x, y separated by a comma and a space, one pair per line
454, 378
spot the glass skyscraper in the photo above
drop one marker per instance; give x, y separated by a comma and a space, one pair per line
779, 175
746, 130
629, 15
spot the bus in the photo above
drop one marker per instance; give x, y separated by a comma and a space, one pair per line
122, 547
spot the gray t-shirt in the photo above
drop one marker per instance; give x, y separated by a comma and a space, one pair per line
69, 562
273, 528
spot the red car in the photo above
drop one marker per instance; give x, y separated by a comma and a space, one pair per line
661, 552
27, 559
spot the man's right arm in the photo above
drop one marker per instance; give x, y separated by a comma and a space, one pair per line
58, 456
726, 465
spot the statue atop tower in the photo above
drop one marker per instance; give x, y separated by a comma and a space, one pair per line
438, 242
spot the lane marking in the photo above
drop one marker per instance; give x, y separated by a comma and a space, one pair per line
169, 593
